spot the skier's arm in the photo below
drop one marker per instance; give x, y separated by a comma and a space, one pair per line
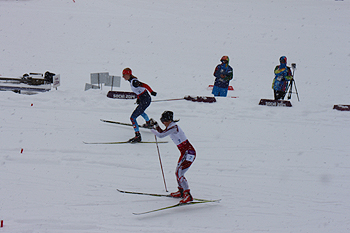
148, 89
137, 83
164, 133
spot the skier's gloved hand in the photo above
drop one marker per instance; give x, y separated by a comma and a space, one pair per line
153, 93
155, 126
137, 101
153, 123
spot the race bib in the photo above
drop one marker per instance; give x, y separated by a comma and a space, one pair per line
190, 156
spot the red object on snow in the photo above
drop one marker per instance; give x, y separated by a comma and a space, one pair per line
210, 87
2, 223
342, 107
204, 99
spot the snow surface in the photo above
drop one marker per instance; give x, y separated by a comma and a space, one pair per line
276, 169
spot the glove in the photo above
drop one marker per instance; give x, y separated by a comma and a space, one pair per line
153, 93
137, 101
153, 123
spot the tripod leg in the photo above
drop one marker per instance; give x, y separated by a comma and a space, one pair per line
296, 91
290, 86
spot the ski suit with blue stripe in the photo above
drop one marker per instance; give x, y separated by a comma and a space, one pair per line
143, 100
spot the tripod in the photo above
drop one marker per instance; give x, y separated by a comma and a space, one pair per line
290, 86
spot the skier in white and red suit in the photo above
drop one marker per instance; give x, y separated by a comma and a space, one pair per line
188, 153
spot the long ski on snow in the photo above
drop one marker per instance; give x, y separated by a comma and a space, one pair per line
121, 123
173, 206
121, 142
164, 195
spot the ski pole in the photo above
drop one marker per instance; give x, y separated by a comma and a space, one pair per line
160, 161
167, 100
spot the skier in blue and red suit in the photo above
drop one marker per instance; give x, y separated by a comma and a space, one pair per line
283, 75
143, 101
223, 73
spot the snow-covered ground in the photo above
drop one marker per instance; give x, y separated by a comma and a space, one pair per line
275, 169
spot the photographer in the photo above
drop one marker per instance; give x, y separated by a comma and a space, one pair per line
283, 75
223, 75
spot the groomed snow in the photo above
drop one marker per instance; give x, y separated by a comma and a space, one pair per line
275, 169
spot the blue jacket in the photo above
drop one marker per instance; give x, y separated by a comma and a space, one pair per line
224, 70
282, 76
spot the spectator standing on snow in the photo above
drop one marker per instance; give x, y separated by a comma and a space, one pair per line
188, 153
283, 75
143, 101
223, 74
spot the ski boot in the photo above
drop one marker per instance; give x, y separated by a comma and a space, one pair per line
135, 139
177, 194
187, 197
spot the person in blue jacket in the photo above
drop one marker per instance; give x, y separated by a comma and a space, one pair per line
223, 75
283, 75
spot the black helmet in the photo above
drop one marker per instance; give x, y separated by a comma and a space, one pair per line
167, 116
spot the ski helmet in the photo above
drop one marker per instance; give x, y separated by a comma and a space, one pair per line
127, 71
283, 60
225, 58
167, 116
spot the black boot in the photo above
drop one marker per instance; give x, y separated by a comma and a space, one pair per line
135, 139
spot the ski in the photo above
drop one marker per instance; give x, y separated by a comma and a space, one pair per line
173, 206
124, 142
164, 195
121, 123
